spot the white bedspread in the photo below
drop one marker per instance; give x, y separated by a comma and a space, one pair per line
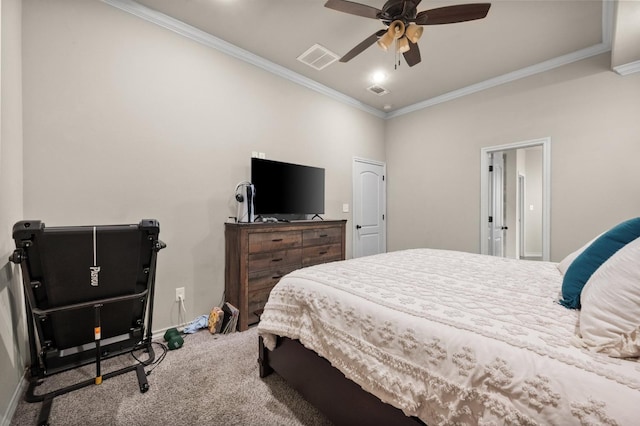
454, 337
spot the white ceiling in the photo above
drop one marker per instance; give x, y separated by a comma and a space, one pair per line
517, 38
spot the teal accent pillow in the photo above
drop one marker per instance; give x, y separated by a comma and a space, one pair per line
592, 257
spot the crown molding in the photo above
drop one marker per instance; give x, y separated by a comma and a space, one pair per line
605, 46
505, 78
209, 40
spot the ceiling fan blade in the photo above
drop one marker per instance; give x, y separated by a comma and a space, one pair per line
412, 56
362, 46
353, 8
453, 14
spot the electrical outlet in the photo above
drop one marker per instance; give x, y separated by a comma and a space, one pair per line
179, 294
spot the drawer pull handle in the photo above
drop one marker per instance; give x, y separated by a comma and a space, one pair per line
322, 252
324, 235
275, 240
276, 260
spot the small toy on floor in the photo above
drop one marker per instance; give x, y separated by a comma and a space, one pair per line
215, 320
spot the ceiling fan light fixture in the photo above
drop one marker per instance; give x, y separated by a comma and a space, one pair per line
414, 32
385, 41
403, 45
395, 31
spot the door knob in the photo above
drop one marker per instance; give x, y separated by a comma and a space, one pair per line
358, 226
504, 228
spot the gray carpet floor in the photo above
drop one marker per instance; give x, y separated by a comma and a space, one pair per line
211, 380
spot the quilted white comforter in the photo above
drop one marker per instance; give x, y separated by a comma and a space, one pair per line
454, 338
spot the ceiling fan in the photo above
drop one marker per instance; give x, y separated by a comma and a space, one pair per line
404, 23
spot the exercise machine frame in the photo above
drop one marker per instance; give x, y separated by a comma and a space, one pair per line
46, 359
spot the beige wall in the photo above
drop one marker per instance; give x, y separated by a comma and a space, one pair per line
125, 120
12, 324
591, 115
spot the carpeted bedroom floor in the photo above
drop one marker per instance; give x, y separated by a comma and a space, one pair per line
211, 380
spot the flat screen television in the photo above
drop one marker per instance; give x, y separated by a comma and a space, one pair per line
287, 189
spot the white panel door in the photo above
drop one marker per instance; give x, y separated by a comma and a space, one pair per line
369, 207
496, 204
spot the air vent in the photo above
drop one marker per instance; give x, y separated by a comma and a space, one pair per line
318, 57
378, 90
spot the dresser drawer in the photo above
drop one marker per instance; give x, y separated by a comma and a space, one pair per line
270, 241
257, 300
314, 237
275, 259
321, 254
269, 277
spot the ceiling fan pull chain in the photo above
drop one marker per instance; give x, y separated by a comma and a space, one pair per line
395, 54
396, 58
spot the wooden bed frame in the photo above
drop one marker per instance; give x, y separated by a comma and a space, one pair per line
341, 400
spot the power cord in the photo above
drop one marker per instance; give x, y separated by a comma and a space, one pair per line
156, 361
162, 346
184, 311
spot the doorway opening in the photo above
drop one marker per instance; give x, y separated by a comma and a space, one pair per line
515, 198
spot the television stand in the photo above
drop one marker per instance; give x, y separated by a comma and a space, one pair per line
318, 216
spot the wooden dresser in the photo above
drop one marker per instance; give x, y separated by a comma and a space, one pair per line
257, 255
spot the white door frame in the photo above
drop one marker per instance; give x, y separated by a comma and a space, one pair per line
354, 231
546, 191
521, 212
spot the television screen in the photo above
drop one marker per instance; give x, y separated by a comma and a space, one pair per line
284, 188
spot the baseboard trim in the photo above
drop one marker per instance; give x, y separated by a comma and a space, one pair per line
15, 399
537, 254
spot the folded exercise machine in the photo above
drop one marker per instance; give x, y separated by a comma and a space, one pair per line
88, 294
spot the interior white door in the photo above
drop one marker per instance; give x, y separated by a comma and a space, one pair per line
496, 204
369, 208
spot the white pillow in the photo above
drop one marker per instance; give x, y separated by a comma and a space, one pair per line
610, 315
566, 262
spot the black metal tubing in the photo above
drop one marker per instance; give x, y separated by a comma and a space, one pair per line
35, 382
90, 304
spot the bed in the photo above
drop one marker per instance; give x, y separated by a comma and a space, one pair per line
442, 337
